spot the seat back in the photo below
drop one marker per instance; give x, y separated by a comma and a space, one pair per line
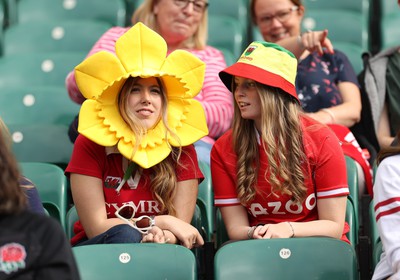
113, 12
351, 28
353, 52
376, 243
205, 200
225, 32
41, 143
286, 258
53, 36
352, 181
390, 31
38, 69
37, 104
135, 261
51, 183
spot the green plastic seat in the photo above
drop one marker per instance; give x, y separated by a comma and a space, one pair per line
225, 32
53, 36
135, 261
351, 28
237, 9
376, 243
41, 143
113, 12
390, 31
352, 181
286, 258
353, 52
51, 183
40, 104
38, 69
205, 201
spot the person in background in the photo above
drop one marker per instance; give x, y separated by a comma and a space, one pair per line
326, 83
278, 173
34, 201
183, 25
32, 246
134, 172
387, 211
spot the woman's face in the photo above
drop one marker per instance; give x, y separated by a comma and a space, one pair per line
278, 19
145, 101
178, 20
248, 99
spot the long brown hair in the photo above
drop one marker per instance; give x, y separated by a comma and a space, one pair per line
282, 141
12, 197
163, 179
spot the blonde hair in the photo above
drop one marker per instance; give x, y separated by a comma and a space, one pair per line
163, 179
282, 142
144, 13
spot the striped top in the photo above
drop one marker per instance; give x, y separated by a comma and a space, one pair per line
216, 99
387, 213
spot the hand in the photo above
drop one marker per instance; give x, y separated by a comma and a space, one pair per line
315, 41
281, 230
187, 234
155, 235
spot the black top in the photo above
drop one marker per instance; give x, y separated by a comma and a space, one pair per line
34, 246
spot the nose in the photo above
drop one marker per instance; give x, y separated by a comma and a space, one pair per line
275, 22
189, 9
145, 98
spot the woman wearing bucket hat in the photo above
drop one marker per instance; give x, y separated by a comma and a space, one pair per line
183, 25
134, 172
273, 171
326, 83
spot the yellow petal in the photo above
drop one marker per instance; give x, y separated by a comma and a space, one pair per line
90, 80
188, 69
141, 50
92, 126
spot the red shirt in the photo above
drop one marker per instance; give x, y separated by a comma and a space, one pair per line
327, 178
91, 159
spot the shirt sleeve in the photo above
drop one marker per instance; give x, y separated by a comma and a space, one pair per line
105, 43
346, 70
216, 99
387, 210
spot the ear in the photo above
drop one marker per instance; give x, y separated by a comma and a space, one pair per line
302, 10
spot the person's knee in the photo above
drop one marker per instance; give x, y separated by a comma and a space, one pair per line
123, 234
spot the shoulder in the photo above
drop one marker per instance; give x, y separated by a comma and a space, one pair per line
225, 139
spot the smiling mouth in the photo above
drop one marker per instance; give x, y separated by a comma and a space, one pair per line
144, 112
243, 104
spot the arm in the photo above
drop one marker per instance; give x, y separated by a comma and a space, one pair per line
384, 138
387, 213
312, 41
216, 99
89, 200
236, 222
348, 113
178, 228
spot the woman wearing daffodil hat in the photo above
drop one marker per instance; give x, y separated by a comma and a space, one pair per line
134, 171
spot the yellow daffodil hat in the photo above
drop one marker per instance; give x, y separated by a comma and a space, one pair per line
141, 52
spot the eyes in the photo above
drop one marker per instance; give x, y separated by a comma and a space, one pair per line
245, 85
153, 90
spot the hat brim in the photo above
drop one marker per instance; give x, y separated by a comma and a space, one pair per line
257, 74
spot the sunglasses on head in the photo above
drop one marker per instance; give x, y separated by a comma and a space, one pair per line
143, 223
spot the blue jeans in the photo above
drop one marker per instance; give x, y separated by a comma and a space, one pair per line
203, 150
117, 234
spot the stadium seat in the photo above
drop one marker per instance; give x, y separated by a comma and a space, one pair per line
38, 69
41, 143
135, 261
351, 28
388, 8
390, 31
357, 6
113, 12
205, 201
238, 9
70, 219
376, 243
51, 183
37, 104
53, 36
286, 258
225, 32
229, 57
352, 181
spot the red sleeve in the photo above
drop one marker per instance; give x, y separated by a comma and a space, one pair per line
189, 166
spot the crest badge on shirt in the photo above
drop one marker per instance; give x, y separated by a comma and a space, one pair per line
12, 257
